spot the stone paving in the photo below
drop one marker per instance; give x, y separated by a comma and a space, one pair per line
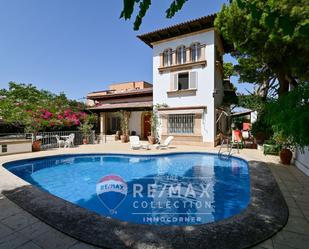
19, 229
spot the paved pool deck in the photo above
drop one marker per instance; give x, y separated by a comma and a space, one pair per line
19, 229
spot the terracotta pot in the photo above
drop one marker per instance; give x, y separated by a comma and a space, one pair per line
124, 138
85, 140
151, 139
286, 156
36, 145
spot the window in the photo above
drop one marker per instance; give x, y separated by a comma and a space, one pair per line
183, 81
167, 57
181, 123
4, 148
114, 124
181, 54
195, 51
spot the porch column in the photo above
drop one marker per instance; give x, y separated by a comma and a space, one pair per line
102, 125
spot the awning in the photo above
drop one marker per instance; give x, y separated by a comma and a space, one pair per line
182, 110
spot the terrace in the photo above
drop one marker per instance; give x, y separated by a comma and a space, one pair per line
20, 229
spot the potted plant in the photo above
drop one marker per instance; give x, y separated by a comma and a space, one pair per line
154, 123
124, 124
33, 126
286, 145
152, 138
86, 127
153, 127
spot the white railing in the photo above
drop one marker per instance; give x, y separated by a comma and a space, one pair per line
48, 139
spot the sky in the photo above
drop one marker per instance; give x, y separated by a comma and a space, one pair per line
80, 46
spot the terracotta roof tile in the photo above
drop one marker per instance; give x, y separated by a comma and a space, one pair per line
178, 29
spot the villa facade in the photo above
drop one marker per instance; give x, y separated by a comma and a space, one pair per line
188, 80
187, 91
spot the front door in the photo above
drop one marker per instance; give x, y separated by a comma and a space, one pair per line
147, 125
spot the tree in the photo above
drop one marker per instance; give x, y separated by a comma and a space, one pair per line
250, 69
270, 39
25, 106
290, 115
228, 70
129, 5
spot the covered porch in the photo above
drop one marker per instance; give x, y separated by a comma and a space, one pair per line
138, 116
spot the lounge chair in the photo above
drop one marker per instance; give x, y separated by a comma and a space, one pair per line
166, 143
135, 142
70, 141
237, 140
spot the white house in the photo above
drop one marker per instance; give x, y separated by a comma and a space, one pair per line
188, 80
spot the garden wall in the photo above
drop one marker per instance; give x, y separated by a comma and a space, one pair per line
302, 160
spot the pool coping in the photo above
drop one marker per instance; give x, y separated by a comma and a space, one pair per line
266, 214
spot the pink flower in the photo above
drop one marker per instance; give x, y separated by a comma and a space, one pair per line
46, 115
67, 112
83, 114
74, 116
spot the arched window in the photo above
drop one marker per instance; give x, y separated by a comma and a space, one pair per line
181, 55
195, 51
168, 57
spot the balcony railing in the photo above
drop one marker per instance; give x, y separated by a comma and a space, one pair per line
187, 63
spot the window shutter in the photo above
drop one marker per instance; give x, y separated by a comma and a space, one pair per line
174, 82
193, 80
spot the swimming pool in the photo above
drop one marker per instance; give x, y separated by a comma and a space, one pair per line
170, 189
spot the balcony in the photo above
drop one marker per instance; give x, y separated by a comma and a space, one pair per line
188, 64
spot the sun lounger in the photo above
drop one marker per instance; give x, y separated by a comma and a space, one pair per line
166, 143
135, 142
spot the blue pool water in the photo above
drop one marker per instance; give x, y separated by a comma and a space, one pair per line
172, 189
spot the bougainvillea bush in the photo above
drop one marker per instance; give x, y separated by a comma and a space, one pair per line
24, 106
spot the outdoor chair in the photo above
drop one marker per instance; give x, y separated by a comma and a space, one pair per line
166, 143
60, 142
237, 139
69, 142
135, 142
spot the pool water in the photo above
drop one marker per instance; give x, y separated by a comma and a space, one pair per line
171, 189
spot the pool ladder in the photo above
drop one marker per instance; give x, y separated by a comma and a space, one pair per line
229, 149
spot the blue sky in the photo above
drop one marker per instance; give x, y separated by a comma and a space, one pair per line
79, 46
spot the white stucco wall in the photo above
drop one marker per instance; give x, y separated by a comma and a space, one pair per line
19, 147
135, 122
205, 82
302, 160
